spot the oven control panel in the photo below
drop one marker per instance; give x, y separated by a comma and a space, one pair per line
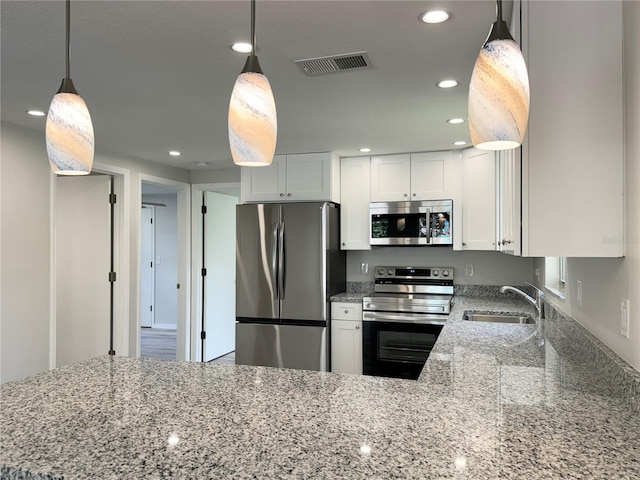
414, 273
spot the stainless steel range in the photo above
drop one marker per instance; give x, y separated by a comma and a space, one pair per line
403, 318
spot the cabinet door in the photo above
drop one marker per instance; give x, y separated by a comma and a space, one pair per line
433, 176
346, 346
390, 178
478, 200
509, 201
264, 184
309, 177
354, 209
573, 164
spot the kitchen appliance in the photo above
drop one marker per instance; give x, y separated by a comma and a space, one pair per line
288, 264
412, 223
402, 319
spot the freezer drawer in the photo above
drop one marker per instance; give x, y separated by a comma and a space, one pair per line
285, 346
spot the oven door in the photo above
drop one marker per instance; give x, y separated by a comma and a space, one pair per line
398, 345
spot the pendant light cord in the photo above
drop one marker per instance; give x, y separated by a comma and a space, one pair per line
253, 27
68, 70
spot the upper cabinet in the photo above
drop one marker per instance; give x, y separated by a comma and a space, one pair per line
416, 176
354, 209
572, 159
294, 178
508, 191
478, 200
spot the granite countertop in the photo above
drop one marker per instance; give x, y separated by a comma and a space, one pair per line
350, 297
493, 402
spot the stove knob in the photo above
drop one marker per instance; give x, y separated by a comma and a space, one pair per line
435, 273
445, 273
381, 272
390, 271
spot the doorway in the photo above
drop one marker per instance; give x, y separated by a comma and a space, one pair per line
158, 271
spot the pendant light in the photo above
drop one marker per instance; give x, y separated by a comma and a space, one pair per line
253, 124
499, 91
69, 131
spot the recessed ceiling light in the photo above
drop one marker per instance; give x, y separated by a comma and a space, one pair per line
201, 164
36, 113
447, 84
434, 16
241, 47
459, 143
453, 121
174, 153
365, 150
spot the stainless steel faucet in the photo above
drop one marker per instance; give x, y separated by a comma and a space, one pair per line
536, 302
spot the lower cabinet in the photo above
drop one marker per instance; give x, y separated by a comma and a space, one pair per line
346, 338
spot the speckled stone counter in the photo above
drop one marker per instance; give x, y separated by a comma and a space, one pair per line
493, 402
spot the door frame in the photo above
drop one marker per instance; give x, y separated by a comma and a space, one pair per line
197, 190
152, 246
183, 345
121, 178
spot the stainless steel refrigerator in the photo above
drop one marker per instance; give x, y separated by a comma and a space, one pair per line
288, 264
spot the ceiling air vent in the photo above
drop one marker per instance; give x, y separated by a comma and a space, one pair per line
335, 63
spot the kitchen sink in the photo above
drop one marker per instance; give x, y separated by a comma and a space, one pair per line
498, 317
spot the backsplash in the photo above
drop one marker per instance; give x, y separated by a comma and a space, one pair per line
573, 341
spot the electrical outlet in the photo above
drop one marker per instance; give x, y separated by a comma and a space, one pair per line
624, 318
469, 270
364, 268
579, 294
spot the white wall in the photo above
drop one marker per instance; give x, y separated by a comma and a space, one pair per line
25, 278
25, 253
218, 175
166, 270
490, 268
606, 281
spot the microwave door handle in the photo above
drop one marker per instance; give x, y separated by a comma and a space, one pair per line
274, 262
281, 261
428, 226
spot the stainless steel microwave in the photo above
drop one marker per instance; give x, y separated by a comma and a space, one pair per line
412, 223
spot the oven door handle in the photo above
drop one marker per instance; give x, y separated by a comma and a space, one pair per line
406, 318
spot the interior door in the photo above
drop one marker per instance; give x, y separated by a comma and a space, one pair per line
220, 282
147, 277
82, 256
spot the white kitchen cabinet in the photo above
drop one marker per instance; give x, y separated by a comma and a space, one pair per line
354, 209
572, 158
346, 337
293, 178
478, 200
390, 178
509, 201
416, 176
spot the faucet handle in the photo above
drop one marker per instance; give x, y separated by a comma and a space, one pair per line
539, 293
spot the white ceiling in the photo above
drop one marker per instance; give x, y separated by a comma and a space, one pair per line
157, 75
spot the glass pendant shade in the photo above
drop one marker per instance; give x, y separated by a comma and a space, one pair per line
69, 135
499, 93
253, 123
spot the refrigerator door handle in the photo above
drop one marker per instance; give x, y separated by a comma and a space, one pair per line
281, 261
274, 262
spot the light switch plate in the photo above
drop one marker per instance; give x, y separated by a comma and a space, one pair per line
469, 270
364, 268
579, 294
624, 317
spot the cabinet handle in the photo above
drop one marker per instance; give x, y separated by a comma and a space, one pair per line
282, 194
464, 244
357, 327
288, 194
414, 194
405, 195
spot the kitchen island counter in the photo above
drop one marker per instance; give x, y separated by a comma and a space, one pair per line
493, 402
